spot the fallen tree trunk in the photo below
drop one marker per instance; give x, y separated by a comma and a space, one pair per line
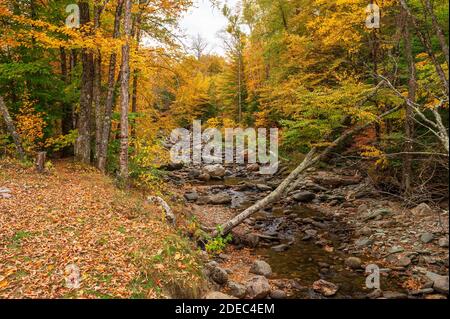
293, 179
12, 129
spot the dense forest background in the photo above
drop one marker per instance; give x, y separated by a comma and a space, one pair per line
309, 67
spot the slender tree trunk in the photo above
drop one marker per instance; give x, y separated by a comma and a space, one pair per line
409, 120
67, 119
124, 94
98, 106
106, 131
83, 143
137, 35
425, 39
12, 129
437, 29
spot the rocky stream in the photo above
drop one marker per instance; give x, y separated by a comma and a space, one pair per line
318, 241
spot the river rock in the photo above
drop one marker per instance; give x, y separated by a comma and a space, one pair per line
253, 167
278, 294
426, 238
237, 290
304, 197
215, 170
191, 196
219, 199
377, 293
440, 283
325, 288
251, 240
363, 242
353, 262
443, 242
219, 275
218, 295
204, 177
257, 287
422, 209
262, 268
194, 173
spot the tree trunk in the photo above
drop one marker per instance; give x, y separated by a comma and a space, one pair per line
124, 94
106, 131
40, 162
137, 35
428, 46
83, 142
409, 120
437, 29
67, 118
98, 106
310, 160
12, 129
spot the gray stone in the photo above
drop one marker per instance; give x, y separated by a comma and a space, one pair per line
219, 199
426, 238
262, 268
304, 197
403, 261
443, 242
219, 275
194, 173
311, 232
216, 170
237, 290
422, 209
205, 177
325, 288
278, 294
251, 240
191, 196
377, 293
257, 287
440, 283
363, 242
353, 262
253, 167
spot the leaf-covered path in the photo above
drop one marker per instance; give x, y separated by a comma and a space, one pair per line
77, 216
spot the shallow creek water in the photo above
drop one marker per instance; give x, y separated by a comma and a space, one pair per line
304, 260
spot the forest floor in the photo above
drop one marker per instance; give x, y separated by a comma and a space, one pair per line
73, 215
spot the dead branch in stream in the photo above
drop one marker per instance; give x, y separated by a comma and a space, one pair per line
312, 158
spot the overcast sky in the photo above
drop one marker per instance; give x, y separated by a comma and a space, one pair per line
205, 20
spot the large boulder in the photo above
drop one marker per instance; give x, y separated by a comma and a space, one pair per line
217, 170
258, 287
262, 268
